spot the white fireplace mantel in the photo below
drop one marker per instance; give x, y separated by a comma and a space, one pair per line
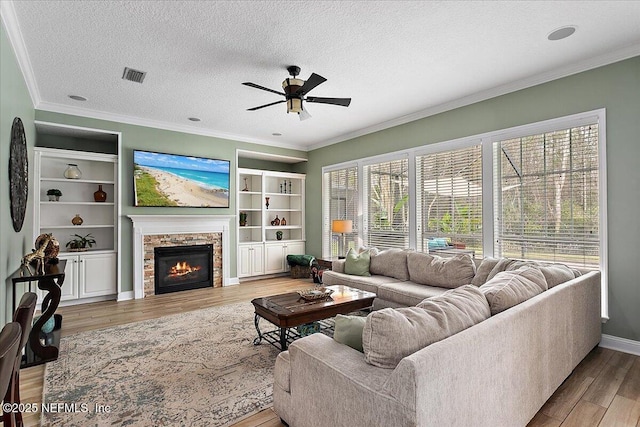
146, 225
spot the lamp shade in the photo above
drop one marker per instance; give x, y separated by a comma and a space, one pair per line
342, 226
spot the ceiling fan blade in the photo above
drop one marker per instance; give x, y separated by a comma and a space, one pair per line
263, 88
333, 101
304, 115
313, 81
266, 105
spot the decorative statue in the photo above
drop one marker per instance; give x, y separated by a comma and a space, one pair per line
36, 255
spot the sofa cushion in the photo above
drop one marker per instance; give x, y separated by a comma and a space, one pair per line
483, 270
369, 284
357, 264
407, 293
501, 265
445, 272
510, 288
348, 330
390, 262
554, 274
389, 335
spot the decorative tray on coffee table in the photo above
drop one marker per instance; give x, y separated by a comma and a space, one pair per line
315, 293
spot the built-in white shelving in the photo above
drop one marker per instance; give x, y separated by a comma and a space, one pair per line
285, 194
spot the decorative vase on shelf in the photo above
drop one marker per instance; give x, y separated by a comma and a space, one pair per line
243, 219
266, 202
77, 220
72, 171
283, 221
99, 196
276, 221
279, 235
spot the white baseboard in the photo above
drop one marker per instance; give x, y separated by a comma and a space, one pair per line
124, 296
232, 281
620, 344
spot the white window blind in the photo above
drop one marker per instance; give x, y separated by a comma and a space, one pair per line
546, 197
341, 202
449, 198
386, 217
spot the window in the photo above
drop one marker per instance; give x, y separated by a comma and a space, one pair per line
546, 197
340, 202
449, 198
386, 218
544, 188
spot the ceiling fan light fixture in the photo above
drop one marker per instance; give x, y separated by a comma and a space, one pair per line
294, 105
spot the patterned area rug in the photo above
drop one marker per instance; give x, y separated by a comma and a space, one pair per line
193, 369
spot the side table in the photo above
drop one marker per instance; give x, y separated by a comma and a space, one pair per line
36, 351
325, 263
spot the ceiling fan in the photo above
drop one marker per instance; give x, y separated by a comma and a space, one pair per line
295, 91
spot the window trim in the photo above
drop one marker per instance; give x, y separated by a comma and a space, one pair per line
487, 141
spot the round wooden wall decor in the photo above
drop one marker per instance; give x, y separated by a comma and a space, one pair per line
18, 174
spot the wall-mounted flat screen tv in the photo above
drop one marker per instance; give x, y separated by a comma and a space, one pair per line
162, 179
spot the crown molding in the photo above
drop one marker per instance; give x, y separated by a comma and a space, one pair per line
157, 124
564, 71
11, 25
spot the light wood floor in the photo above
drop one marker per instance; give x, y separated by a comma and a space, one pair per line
604, 390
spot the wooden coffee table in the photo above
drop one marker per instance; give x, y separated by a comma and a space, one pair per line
289, 310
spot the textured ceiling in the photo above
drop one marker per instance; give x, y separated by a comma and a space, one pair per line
396, 60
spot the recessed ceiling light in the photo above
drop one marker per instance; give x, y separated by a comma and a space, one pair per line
276, 134
77, 98
561, 33
194, 119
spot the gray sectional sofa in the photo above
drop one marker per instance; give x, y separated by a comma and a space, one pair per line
489, 352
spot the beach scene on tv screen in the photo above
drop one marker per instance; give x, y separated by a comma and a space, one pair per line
173, 180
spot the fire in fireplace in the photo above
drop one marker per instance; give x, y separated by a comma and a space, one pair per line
180, 268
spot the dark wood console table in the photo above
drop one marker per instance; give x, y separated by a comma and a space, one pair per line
43, 347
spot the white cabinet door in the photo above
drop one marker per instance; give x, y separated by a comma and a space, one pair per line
251, 260
244, 260
69, 290
258, 260
97, 275
274, 258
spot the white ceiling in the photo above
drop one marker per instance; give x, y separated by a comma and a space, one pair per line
397, 60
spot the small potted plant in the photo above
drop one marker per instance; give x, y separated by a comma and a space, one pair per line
54, 194
243, 219
80, 243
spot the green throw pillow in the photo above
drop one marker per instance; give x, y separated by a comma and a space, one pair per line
348, 331
357, 264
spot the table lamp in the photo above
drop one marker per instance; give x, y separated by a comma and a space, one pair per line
341, 226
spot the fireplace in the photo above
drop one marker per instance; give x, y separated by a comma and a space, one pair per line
180, 268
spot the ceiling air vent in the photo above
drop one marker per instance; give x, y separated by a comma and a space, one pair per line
133, 75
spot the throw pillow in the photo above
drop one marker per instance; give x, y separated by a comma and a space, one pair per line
510, 288
348, 331
553, 273
391, 263
556, 274
443, 272
390, 334
483, 271
357, 264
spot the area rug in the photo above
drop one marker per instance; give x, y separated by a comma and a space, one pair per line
192, 369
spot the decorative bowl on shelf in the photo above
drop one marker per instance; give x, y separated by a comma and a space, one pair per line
315, 293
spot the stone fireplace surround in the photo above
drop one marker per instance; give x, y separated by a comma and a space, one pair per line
192, 227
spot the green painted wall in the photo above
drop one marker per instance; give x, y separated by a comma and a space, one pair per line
14, 102
615, 87
145, 138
